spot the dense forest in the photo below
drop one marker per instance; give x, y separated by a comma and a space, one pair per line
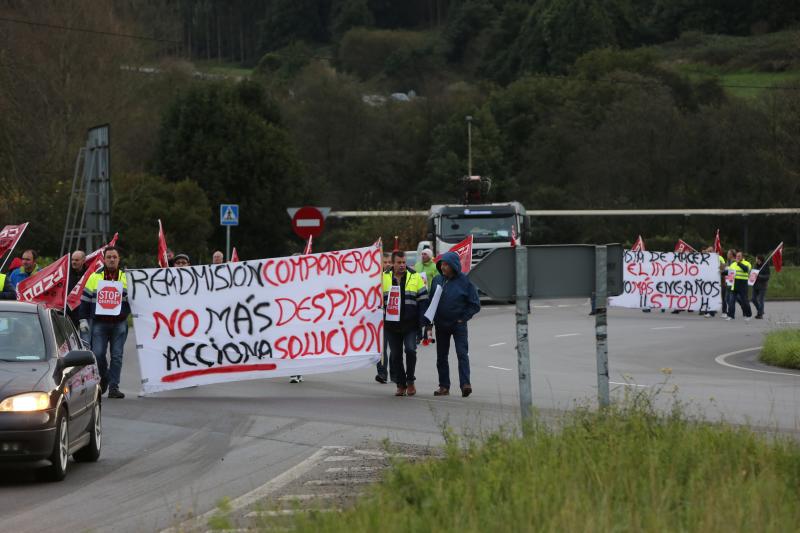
361, 104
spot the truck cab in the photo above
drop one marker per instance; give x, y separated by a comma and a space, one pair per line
491, 226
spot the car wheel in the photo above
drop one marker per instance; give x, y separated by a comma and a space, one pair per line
91, 452
59, 457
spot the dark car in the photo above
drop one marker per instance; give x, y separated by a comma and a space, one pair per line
49, 391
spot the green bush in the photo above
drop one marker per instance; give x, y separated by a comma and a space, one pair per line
365, 52
782, 348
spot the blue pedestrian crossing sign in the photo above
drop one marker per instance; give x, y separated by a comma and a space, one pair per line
228, 214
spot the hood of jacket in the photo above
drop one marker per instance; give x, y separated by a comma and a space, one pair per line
452, 259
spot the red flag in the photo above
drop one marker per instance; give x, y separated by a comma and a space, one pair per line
234, 256
717, 244
464, 251
94, 261
777, 258
308, 245
47, 286
396, 244
682, 247
10, 236
638, 246
513, 237
163, 261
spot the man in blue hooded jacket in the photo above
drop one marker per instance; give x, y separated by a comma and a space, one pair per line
457, 304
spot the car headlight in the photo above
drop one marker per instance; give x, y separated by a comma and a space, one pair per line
30, 401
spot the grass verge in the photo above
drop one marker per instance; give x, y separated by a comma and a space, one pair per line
626, 469
782, 348
784, 284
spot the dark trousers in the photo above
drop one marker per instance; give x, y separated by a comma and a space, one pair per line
739, 294
459, 334
758, 299
384, 362
403, 374
725, 292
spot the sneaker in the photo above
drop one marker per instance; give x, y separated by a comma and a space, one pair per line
296, 379
729, 318
441, 391
724, 315
466, 390
115, 393
747, 318
759, 317
380, 379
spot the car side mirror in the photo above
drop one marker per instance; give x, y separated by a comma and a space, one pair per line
77, 358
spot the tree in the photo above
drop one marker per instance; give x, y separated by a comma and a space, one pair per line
142, 199
231, 141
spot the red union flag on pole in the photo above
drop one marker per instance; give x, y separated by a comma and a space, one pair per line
638, 246
717, 244
10, 236
234, 256
48, 286
93, 263
308, 245
163, 261
464, 251
777, 258
682, 247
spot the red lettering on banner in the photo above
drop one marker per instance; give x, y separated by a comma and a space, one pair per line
278, 272
176, 318
347, 302
341, 341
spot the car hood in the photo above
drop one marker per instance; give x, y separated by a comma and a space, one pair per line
18, 377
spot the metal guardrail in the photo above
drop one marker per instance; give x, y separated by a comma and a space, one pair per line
592, 212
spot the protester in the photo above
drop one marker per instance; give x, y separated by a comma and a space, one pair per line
181, 260
77, 268
458, 303
426, 267
6, 292
760, 286
723, 269
217, 258
28, 267
412, 304
106, 329
741, 267
709, 314
170, 258
383, 363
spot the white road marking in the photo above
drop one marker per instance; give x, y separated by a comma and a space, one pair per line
498, 367
565, 305
496, 344
721, 360
628, 384
786, 323
669, 327
329, 482
305, 497
542, 306
568, 335
337, 458
257, 494
380, 453
336, 469
287, 512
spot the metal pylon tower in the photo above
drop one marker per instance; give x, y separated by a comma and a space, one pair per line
88, 222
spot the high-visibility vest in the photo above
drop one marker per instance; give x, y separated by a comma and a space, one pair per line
741, 274
2, 282
415, 286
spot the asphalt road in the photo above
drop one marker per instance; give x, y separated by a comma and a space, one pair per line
172, 455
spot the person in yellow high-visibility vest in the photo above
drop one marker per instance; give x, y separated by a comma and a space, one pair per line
741, 268
6, 292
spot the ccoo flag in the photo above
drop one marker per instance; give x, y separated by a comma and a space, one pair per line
717, 244
10, 236
94, 261
47, 286
234, 256
163, 260
638, 246
682, 247
464, 251
777, 258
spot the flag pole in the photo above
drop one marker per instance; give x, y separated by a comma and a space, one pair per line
66, 283
11, 251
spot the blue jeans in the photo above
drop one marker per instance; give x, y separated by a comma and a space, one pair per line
758, 299
738, 294
384, 363
103, 334
397, 341
459, 334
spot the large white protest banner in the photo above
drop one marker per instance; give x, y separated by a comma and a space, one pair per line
294, 315
668, 280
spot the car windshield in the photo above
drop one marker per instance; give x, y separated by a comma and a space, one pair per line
21, 337
485, 228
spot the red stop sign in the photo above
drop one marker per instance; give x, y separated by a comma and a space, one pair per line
308, 222
109, 298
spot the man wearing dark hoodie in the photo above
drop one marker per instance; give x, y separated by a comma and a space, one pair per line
457, 304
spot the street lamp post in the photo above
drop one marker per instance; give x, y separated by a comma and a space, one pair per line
469, 145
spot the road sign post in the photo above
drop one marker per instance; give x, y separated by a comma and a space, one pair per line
228, 216
553, 271
601, 323
523, 346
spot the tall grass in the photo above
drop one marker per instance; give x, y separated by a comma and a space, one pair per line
784, 284
782, 348
625, 469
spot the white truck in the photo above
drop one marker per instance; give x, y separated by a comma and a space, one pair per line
491, 226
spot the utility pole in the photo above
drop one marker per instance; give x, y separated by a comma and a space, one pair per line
469, 145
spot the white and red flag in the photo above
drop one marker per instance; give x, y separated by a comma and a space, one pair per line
638, 246
464, 251
682, 247
234, 256
717, 244
10, 236
514, 237
308, 245
48, 286
163, 260
777, 258
94, 261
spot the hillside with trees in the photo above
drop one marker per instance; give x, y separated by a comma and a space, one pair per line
361, 104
